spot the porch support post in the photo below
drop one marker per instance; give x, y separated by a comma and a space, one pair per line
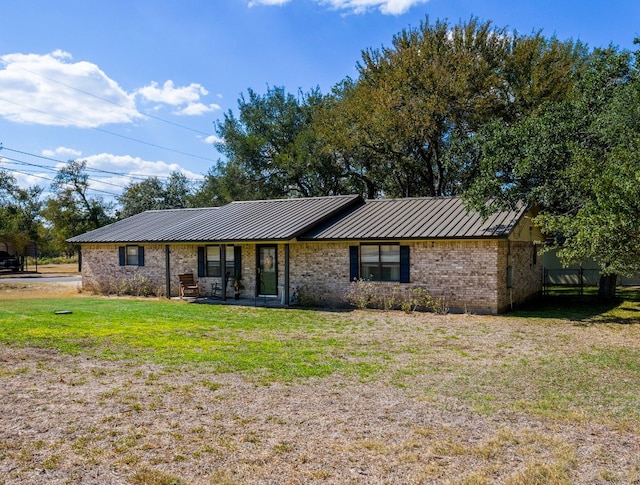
286, 274
223, 270
167, 271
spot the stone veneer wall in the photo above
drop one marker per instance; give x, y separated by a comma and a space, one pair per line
100, 263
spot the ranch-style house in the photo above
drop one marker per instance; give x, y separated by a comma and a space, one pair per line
323, 244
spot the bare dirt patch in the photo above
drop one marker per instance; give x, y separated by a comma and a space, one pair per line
75, 419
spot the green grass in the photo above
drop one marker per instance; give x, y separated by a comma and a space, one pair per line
273, 344
556, 359
559, 365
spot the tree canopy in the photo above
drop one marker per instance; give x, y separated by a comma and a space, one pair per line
577, 159
153, 194
410, 120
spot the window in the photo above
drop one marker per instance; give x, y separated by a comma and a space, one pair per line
214, 268
380, 262
131, 255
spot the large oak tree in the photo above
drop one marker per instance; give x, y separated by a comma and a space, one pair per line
578, 161
407, 125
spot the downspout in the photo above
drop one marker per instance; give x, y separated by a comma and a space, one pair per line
167, 271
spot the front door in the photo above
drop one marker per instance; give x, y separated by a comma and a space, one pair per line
267, 270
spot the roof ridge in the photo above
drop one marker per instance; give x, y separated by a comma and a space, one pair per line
424, 197
351, 196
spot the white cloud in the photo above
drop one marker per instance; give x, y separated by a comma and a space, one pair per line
134, 169
211, 139
186, 98
51, 90
64, 151
195, 109
254, 3
387, 7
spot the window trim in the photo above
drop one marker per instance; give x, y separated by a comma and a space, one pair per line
355, 269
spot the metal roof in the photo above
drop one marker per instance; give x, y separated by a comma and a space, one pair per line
281, 219
416, 218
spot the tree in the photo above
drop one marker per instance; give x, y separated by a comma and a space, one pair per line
153, 194
73, 211
20, 212
407, 126
272, 143
578, 161
223, 183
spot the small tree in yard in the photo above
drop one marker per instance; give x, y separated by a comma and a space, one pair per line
579, 161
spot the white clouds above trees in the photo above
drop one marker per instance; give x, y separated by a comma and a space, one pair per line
186, 99
53, 90
386, 7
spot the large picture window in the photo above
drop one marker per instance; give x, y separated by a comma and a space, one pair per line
380, 262
214, 267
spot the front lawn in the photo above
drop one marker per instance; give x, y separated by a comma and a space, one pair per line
156, 391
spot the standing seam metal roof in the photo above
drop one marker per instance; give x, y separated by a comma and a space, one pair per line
417, 218
316, 218
280, 219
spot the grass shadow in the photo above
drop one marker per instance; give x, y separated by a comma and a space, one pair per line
586, 309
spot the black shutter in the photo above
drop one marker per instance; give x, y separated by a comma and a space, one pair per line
201, 266
237, 260
140, 255
404, 264
354, 264
122, 255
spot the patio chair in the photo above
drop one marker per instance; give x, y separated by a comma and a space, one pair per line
188, 285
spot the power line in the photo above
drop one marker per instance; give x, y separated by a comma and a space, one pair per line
120, 174
51, 168
113, 133
111, 102
52, 180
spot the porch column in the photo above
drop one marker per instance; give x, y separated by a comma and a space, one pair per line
167, 271
223, 270
286, 274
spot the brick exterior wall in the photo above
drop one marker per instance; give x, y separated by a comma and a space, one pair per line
469, 275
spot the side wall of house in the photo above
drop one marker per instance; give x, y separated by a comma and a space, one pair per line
101, 267
525, 282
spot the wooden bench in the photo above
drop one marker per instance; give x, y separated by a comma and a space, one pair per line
188, 285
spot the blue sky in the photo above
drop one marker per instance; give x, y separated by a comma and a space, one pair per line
134, 87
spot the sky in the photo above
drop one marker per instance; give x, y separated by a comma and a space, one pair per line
135, 87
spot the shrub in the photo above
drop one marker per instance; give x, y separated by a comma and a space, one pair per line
361, 293
303, 296
136, 285
367, 294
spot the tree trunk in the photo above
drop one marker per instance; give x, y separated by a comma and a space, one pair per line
607, 287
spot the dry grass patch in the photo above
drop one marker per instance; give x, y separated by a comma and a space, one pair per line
455, 399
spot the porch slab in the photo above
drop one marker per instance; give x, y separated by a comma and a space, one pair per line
267, 302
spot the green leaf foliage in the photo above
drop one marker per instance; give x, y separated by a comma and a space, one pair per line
577, 159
